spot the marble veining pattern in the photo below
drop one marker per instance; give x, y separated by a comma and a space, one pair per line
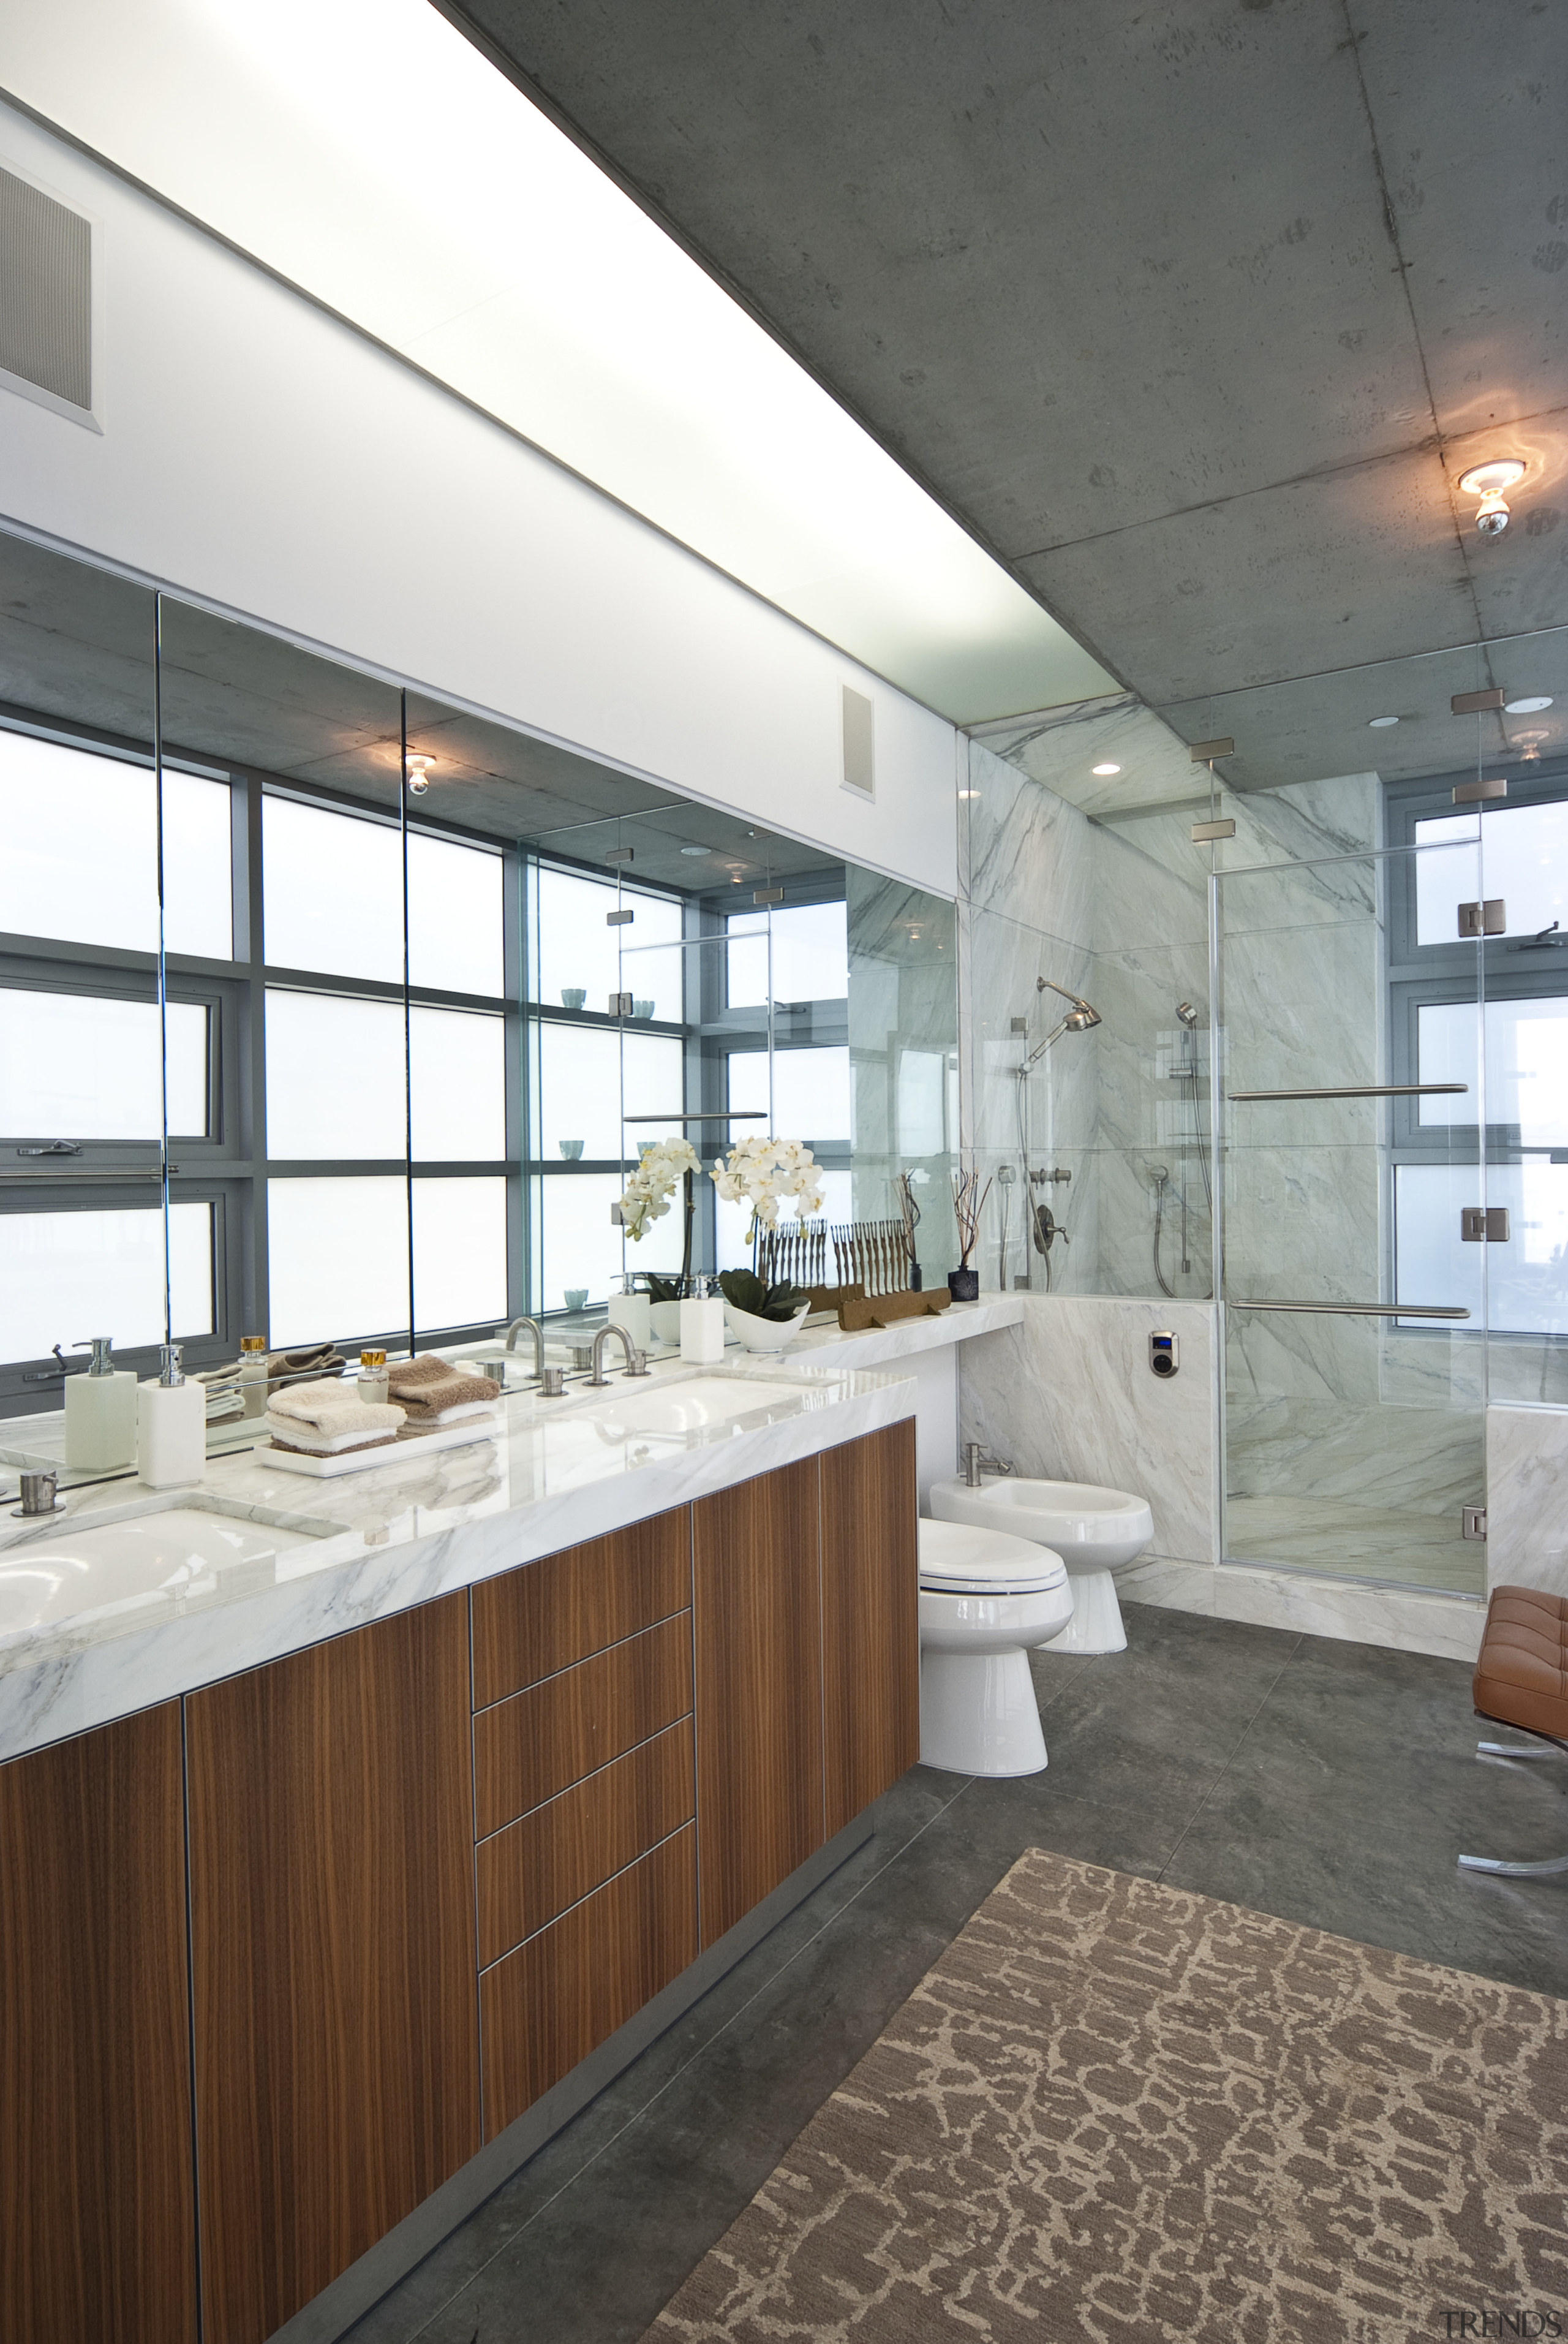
1527, 1498
421, 1526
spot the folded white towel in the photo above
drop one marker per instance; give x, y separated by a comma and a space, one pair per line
287, 1434
329, 1408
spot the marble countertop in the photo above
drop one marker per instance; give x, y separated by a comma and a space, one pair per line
367, 1545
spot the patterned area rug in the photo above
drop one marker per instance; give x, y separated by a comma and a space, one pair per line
1119, 2112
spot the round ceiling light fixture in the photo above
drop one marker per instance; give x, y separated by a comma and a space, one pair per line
696, 850
418, 769
1381, 724
1104, 771
1488, 481
1531, 707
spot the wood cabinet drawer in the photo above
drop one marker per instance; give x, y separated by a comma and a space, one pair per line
554, 2000
534, 1869
529, 1624
543, 1741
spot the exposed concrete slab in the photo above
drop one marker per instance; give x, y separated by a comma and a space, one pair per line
1088, 270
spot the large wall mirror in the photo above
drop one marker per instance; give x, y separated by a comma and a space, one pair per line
334, 1013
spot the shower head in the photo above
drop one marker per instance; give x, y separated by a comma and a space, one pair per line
1159, 1175
1187, 1014
1081, 1017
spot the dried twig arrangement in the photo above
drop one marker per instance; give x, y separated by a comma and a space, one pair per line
908, 1212
968, 1204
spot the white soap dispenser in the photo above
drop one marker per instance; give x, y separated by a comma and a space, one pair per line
702, 1324
100, 1412
171, 1425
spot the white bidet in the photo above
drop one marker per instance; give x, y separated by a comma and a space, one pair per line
1096, 1532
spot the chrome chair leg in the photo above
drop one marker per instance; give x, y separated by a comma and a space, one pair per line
1506, 1750
1514, 1871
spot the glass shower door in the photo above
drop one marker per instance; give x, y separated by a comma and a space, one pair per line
1348, 1100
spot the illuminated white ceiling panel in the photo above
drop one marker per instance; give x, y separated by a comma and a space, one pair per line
366, 151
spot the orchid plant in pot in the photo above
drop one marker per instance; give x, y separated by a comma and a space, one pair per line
763, 1173
663, 1165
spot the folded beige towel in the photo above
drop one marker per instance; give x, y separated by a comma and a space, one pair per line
306, 1443
430, 1388
330, 1410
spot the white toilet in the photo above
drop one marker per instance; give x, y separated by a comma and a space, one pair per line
985, 1598
1096, 1532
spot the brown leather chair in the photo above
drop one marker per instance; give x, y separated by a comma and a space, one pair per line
1522, 1680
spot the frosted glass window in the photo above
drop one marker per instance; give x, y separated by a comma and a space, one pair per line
1526, 1065
1526, 1280
656, 976
922, 1094
731, 1221
579, 1091
81, 1066
335, 1079
335, 1083
459, 1252
1524, 859
81, 852
62, 1274
458, 1060
811, 1093
455, 917
337, 1258
652, 1075
333, 890
575, 948
1447, 873
1432, 1263
578, 1245
810, 956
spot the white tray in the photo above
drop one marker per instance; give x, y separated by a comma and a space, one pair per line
391, 1453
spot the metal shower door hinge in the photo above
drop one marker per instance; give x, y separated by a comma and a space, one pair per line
1204, 831
1488, 919
1485, 1223
621, 1005
1479, 792
1472, 1521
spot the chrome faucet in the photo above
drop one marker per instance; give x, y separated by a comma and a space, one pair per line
976, 1464
636, 1363
537, 1332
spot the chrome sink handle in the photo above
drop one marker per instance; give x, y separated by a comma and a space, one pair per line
636, 1362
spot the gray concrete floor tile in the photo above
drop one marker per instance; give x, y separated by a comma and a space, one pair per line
1329, 1784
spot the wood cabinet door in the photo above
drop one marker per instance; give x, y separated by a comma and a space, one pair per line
332, 1933
97, 2216
870, 1618
758, 1695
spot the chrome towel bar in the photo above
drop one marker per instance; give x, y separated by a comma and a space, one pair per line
1361, 1090
1364, 1309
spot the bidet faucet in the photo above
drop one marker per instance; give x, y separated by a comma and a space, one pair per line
636, 1363
977, 1463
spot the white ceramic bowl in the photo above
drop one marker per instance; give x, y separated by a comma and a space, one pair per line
763, 1334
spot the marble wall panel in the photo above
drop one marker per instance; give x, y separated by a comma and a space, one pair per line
1061, 746
1151, 884
1028, 851
1422, 1460
1385, 1616
1070, 1394
1527, 1498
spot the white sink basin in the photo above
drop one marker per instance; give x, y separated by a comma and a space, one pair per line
62, 1573
1091, 1529
692, 1406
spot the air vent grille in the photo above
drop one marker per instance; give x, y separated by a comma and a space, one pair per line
45, 292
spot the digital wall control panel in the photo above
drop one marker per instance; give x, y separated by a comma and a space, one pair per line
1163, 1356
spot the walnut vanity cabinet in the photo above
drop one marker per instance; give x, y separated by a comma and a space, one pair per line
94, 2071
332, 1956
870, 1620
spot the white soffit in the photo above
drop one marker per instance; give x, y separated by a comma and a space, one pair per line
367, 152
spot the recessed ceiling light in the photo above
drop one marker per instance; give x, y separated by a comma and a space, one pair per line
1528, 707
1103, 769
696, 850
1377, 723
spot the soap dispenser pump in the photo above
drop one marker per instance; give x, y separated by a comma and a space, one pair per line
171, 1425
100, 1412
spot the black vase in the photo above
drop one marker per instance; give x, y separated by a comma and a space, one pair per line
963, 1285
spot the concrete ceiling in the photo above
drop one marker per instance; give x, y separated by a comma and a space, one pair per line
1194, 313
